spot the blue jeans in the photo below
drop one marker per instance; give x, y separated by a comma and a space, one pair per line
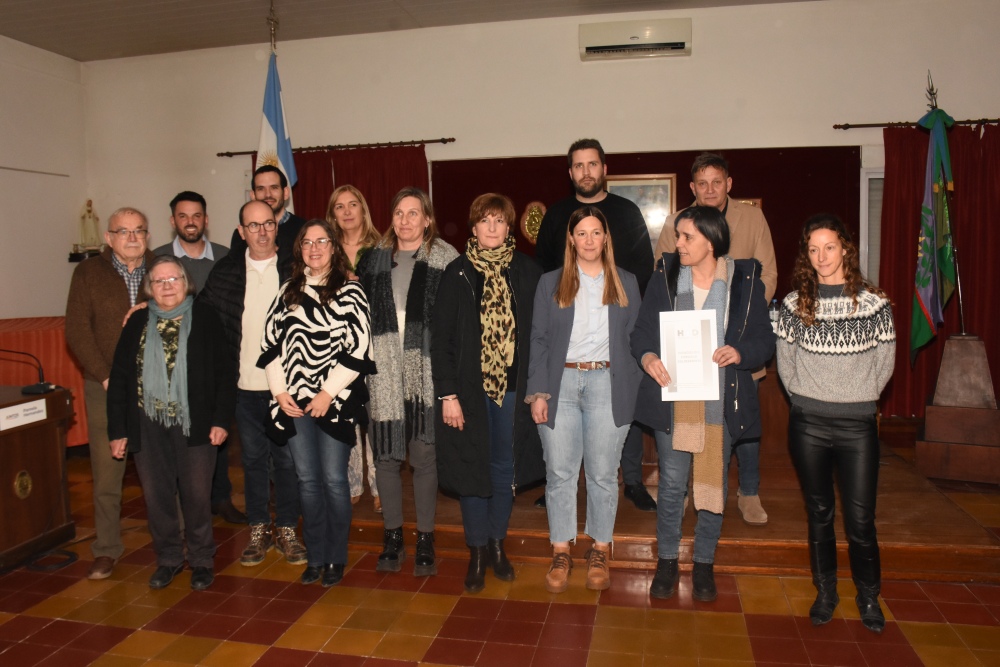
584, 432
321, 463
675, 468
259, 452
487, 518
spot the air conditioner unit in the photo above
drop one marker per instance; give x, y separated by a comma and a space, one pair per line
635, 39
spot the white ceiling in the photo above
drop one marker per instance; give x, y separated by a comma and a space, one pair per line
100, 29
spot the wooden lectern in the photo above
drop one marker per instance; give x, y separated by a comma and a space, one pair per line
34, 499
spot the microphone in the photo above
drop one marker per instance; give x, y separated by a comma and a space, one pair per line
42, 387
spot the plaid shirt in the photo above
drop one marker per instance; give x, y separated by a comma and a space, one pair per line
132, 280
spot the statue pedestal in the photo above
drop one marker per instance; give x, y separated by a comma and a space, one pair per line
962, 425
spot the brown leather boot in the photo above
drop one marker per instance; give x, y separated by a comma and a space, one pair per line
598, 577
557, 579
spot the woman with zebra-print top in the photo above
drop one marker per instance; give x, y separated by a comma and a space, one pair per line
316, 350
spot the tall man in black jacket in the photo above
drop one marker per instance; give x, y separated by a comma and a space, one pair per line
271, 187
633, 252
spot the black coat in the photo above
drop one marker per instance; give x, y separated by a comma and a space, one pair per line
211, 379
749, 332
463, 457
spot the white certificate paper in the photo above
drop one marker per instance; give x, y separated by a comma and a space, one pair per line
687, 343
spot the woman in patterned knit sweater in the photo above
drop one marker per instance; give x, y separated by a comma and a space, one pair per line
315, 353
836, 349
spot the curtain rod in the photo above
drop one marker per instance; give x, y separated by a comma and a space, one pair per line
854, 126
339, 147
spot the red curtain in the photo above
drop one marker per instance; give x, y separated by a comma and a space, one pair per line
379, 173
975, 158
312, 191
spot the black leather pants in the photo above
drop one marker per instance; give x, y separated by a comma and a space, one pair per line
821, 445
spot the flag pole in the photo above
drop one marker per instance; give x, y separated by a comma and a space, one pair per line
272, 22
950, 195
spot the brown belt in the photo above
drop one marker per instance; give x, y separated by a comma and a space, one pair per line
589, 365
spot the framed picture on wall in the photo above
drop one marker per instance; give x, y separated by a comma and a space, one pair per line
654, 194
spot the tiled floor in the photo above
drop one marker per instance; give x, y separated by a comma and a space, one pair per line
263, 616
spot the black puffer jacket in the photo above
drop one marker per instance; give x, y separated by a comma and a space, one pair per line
463, 457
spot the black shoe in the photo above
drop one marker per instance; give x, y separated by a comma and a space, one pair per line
502, 569
332, 574
164, 575
638, 494
871, 613
703, 582
665, 580
541, 501
201, 578
392, 554
821, 611
311, 574
475, 577
229, 513
423, 562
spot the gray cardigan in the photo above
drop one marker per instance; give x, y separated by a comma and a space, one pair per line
551, 327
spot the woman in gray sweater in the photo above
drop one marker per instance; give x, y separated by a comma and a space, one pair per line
836, 350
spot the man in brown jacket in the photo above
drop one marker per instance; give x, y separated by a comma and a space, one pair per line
749, 237
101, 292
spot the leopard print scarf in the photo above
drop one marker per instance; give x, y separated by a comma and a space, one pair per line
496, 317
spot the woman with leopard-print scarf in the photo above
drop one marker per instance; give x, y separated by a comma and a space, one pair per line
487, 444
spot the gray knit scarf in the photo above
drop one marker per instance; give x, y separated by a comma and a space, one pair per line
699, 425
402, 391
159, 391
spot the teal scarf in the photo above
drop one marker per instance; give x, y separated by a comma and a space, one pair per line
159, 391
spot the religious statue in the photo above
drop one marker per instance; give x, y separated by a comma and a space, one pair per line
90, 229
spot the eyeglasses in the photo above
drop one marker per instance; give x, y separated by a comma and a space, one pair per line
125, 233
255, 226
163, 282
321, 243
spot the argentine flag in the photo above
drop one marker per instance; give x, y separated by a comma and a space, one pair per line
275, 148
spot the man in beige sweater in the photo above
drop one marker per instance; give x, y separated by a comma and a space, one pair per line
749, 237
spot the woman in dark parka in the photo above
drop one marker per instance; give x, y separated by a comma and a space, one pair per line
487, 444
696, 437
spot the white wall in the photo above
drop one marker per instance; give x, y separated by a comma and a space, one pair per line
770, 75
41, 130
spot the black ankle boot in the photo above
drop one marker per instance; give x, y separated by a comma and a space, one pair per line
502, 569
475, 578
423, 562
665, 580
823, 563
703, 580
392, 554
827, 599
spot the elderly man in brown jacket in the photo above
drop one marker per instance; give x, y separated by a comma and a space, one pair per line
101, 292
749, 237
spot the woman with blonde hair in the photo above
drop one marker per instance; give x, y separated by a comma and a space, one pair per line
348, 214
836, 352
582, 384
401, 277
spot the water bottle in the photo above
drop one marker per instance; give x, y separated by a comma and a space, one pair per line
772, 312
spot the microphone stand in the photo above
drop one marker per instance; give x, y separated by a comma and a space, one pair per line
42, 387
